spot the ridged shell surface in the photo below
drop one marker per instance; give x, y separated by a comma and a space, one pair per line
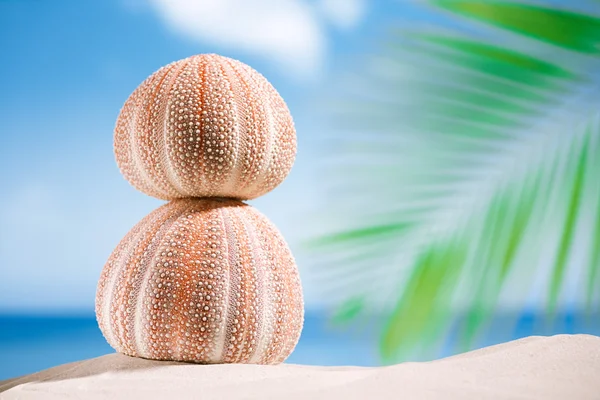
202, 280
205, 126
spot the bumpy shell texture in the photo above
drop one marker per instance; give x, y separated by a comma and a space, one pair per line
205, 126
202, 280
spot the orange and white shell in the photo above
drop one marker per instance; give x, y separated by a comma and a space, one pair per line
205, 126
202, 280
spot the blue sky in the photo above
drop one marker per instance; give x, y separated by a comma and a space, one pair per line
67, 68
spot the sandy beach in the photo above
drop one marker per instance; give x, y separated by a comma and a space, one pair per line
557, 367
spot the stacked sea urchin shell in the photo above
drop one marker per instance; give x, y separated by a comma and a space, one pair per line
205, 278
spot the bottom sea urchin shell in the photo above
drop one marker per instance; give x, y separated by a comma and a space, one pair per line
202, 280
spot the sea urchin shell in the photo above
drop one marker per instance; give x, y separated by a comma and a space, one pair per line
205, 126
202, 280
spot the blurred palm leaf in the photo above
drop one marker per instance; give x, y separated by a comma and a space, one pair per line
471, 169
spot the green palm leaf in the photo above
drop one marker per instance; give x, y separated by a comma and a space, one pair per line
474, 172
570, 30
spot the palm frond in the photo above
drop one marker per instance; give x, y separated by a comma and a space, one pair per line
569, 30
471, 170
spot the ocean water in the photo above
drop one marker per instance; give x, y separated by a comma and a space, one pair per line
32, 343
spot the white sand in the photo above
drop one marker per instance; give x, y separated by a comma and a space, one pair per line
558, 367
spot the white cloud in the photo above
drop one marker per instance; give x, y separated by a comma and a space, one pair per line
32, 207
283, 30
343, 13
289, 32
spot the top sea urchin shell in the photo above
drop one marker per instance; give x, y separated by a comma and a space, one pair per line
205, 126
